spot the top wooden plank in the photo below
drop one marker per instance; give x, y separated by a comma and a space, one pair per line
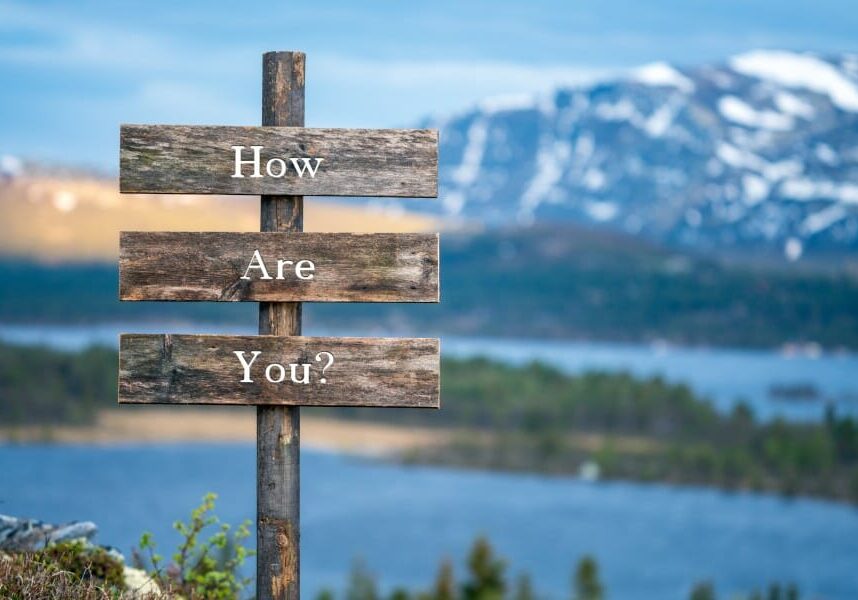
183, 159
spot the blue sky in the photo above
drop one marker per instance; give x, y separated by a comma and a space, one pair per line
72, 71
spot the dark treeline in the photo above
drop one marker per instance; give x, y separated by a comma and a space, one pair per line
32, 292
536, 282
560, 282
529, 418
41, 386
485, 576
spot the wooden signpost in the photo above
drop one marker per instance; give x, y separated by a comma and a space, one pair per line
280, 267
174, 159
318, 267
293, 371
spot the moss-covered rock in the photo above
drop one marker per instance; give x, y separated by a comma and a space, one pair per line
85, 561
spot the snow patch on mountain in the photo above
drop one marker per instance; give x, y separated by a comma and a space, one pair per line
823, 219
507, 102
793, 105
659, 122
756, 189
602, 211
826, 154
662, 74
799, 71
808, 189
736, 110
550, 162
623, 110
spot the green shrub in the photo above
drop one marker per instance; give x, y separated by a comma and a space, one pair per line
204, 570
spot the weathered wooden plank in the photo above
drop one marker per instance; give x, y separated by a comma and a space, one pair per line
205, 369
170, 159
325, 267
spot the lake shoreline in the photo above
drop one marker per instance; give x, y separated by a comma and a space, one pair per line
224, 425
416, 446
403, 444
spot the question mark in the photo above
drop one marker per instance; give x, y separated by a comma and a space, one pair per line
330, 362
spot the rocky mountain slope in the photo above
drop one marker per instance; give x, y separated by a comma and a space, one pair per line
758, 152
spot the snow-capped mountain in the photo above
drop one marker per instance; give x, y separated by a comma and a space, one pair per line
759, 150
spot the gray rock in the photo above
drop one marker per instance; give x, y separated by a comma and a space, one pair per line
30, 534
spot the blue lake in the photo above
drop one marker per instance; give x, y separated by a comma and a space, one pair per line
724, 375
651, 541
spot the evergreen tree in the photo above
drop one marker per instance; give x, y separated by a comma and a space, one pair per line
703, 591
523, 588
325, 594
361, 583
445, 584
486, 574
586, 583
400, 594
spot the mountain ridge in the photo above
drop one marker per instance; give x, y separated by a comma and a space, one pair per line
759, 152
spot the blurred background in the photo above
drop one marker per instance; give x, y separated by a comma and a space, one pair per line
649, 316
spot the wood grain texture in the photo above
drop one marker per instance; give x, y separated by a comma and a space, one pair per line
180, 159
203, 369
185, 266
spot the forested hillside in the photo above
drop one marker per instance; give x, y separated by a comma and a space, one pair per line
554, 282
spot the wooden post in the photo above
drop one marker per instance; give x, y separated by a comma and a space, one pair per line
278, 428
